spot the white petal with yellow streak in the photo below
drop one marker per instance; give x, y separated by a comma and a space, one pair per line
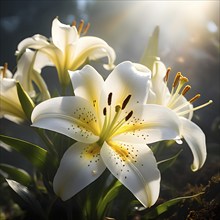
80, 165
148, 124
71, 116
87, 83
134, 165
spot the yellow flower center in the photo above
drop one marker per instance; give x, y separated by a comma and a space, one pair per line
112, 123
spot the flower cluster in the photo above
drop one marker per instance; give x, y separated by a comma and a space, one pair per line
113, 121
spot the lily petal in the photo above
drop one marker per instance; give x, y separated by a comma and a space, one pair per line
43, 59
25, 70
195, 138
35, 42
10, 106
135, 166
159, 92
49, 56
148, 124
26, 73
39, 81
159, 71
87, 83
71, 116
182, 105
81, 165
63, 34
92, 48
127, 79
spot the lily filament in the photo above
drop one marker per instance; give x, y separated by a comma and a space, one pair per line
110, 125
179, 89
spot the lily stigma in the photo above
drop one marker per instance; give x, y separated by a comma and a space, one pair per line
113, 126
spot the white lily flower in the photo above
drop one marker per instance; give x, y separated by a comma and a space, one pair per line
27, 75
113, 126
67, 50
10, 106
160, 94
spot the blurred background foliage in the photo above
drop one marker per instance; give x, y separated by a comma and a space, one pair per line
188, 42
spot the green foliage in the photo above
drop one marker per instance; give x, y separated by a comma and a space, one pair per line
28, 197
151, 52
35, 154
164, 207
108, 197
14, 173
165, 164
26, 102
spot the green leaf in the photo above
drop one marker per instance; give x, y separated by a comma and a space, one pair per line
14, 173
160, 209
28, 197
151, 52
165, 164
26, 102
107, 198
35, 154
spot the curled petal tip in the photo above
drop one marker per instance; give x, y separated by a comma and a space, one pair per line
178, 140
109, 66
194, 168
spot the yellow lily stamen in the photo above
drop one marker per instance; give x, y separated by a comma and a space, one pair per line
110, 126
185, 90
166, 77
178, 83
4, 70
82, 29
193, 99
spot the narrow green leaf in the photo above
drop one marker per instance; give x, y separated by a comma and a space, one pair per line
108, 197
25, 194
165, 164
160, 209
35, 154
151, 52
14, 173
26, 102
